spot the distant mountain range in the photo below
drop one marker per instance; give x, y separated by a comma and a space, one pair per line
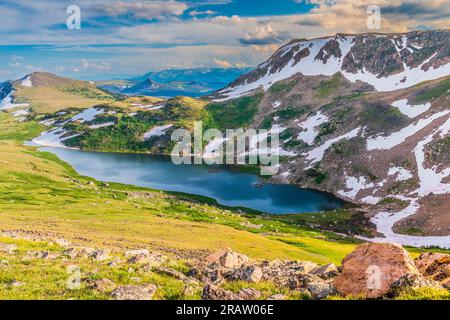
175, 82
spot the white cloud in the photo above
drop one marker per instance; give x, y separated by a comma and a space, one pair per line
97, 66
142, 10
223, 63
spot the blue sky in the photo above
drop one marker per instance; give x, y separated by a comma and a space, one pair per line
123, 38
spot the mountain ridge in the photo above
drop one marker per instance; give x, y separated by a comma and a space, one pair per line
329, 55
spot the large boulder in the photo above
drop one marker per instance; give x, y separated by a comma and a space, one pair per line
371, 269
435, 266
227, 258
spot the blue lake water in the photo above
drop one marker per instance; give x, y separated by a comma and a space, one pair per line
228, 186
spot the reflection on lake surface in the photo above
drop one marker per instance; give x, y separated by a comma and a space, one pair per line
227, 186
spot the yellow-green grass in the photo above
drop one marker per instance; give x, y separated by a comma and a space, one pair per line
52, 99
130, 103
40, 193
25, 277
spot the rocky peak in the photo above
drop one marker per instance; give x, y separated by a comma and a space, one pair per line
386, 61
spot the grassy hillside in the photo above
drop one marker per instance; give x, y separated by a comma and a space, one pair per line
132, 120
40, 192
50, 93
41, 196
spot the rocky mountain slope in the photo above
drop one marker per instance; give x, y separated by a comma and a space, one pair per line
386, 61
366, 117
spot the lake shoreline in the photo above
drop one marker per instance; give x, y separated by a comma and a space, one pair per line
333, 202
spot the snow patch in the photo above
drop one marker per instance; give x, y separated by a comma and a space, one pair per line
397, 138
317, 154
87, 115
310, 127
410, 110
355, 185
7, 103
402, 173
157, 131
26, 82
53, 138
102, 125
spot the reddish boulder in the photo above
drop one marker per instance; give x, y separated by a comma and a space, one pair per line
371, 269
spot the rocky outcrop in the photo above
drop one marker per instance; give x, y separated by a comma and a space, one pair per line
372, 268
411, 282
436, 266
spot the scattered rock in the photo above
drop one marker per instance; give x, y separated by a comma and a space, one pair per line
249, 294
317, 287
191, 289
151, 259
412, 281
99, 255
251, 225
115, 263
171, 273
136, 252
286, 273
4, 263
227, 258
371, 269
435, 266
134, 292
446, 283
42, 255
16, 283
326, 272
212, 292
247, 273
62, 242
8, 248
103, 285
207, 275
79, 252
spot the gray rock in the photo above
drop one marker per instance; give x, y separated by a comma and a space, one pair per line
212, 292
227, 258
42, 255
103, 285
249, 294
151, 259
134, 292
326, 272
247, 273
278, 296
79, 252
411, 282
99, 255
8, 248
320, 289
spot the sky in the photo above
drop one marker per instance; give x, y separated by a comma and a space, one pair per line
123, 38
